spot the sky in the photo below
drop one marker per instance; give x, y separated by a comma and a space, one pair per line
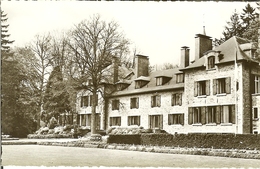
155, 29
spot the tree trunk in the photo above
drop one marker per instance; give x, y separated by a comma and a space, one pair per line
93, 113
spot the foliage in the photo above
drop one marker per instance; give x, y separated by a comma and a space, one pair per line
94, 43
4, 33
244, 25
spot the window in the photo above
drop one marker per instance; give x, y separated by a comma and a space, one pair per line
162, 80
115, 121
133, 120
211, 115
255, 113
222, 85
156, 121
176, 119
86, 120
84, 101
179, 78
201, 88
176, 99
134, 103
159, 81
115, 104
256, 83
156, 101
211, 62
228, 114
140, 83
195, 114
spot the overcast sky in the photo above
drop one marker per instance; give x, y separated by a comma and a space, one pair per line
156, 29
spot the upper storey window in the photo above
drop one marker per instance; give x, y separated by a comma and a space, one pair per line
162, 80
211, 62
179, 78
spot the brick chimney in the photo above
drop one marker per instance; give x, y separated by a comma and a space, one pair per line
115, 69
203, 43
185, 57
141, 65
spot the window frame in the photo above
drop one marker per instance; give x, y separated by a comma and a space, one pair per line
115, 104
115, 121
134, 103
176, 119
156, 101
211, 62
176, 99
133, 120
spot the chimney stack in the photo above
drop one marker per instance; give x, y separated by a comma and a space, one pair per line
115, 69
203, 43
185, 57
141, 65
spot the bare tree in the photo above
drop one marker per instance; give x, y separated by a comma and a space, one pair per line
41, 47
94, 43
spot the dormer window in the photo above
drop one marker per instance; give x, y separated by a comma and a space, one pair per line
141, 81
139, 84
161, 80
211, 62
179, 78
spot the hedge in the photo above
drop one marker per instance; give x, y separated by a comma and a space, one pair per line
217, 141
124, 139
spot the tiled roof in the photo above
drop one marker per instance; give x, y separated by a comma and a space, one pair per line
229, 50
151, 85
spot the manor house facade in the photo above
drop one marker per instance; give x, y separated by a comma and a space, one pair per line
218, 92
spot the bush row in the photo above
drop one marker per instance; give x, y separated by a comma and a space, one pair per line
216, 141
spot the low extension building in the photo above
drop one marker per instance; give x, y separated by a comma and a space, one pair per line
218, 92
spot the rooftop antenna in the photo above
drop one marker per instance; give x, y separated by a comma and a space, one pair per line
204, 31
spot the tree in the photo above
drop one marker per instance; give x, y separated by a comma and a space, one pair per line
5, 42
244, 25
41, 47
56, 98
94, 43
248, 16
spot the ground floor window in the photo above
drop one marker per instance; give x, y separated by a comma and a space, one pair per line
85, 120
255, 115
212, 114
156, 121
133, 120
115, 121
176, 119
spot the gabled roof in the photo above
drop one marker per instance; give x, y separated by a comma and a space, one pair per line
230, 50
151, 85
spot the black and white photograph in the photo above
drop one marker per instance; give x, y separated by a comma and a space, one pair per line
134, 84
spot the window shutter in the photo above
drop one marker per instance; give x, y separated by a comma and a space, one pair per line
252, 82
233, 114
129, 120
173, 99
117, 105
195, 89
214, 86
152, 102
131, 103
150, 121
190, 116
169, 119
218, 115
203, 115
81, 101
228, 85
208, 87
182, 119
161, 122
139, 121
137, 102
110, 121
180, 99
159, 100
